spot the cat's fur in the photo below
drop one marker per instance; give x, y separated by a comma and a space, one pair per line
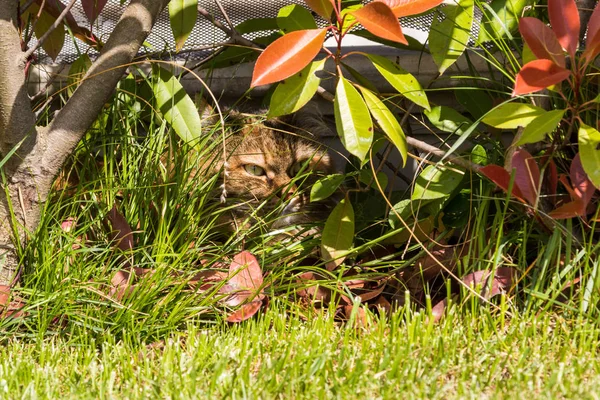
260, 180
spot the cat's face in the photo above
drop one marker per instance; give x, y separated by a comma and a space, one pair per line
271, 164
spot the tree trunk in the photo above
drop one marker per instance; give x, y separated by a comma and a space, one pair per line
27, 175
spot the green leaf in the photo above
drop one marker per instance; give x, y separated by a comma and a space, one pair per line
295, 18
458, 211
77, 72
537, 129
476, 101
500, 18
175, 105
401, 80
366, 177
325, 187
234, 55
387, 122
349, 18
589, 151
479, 155
512, 115
447, 119
404, 208
413, 44
449, 36
361, 80
257, 25
352, 119
338, 233
297, 90
436, 182
183, 14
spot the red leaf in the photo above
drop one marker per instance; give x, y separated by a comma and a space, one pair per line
527, 175
542, 41
402, 8
564, 19
592, 45
68, 224
93, 8
438, 310
583, 188
502, 281
121, 230
287, 56
4, 295
321, 7
244, 312
569, 210
379, 19
500, 177
550, 176
245, 279
537, 75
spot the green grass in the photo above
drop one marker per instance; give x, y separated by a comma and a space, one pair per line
477, 355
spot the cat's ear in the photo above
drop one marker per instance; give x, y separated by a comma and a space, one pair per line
310, 120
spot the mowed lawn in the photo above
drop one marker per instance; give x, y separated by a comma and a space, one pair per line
475, 354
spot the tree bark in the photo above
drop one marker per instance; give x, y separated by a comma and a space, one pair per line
28, 174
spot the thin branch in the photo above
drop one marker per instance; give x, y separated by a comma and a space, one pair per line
45, 36
231, 26
232, 33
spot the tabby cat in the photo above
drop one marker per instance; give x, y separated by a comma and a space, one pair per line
269, 168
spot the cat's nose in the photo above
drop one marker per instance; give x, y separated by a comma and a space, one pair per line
288, 191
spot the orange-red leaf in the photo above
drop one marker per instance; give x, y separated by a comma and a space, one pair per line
537, 75
501, 177
541, 40
527, 175
403, 8
583, 187
244, 312
564, 19
321, 7
570, 210
378, 18
287, 56
245, 279
592, 45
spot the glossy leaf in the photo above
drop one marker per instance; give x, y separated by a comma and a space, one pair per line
295, 18
338, 233
449, 36
539, 127
512, 115
500, 18
592, 43
348, 18
403, 8
379, 19
479, 155
541, 40
366, 177
572, 209
527, 175
476, 101
582, 186
257, 25
564, 19
538, 75
287, 55
245, 312
403, 81
501, 177
92, 8
54, 43
322, 7
387, 122
448, 119
183, 14
436, 182
352, 119
325, 187
293, 93
175, 105
589, 151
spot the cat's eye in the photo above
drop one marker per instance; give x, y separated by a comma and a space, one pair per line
254, 170
296, 168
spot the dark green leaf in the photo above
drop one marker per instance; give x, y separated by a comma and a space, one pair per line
476, 101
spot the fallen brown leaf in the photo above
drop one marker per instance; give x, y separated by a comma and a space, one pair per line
245, 312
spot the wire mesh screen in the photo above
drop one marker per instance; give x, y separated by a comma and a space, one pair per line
205, 37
